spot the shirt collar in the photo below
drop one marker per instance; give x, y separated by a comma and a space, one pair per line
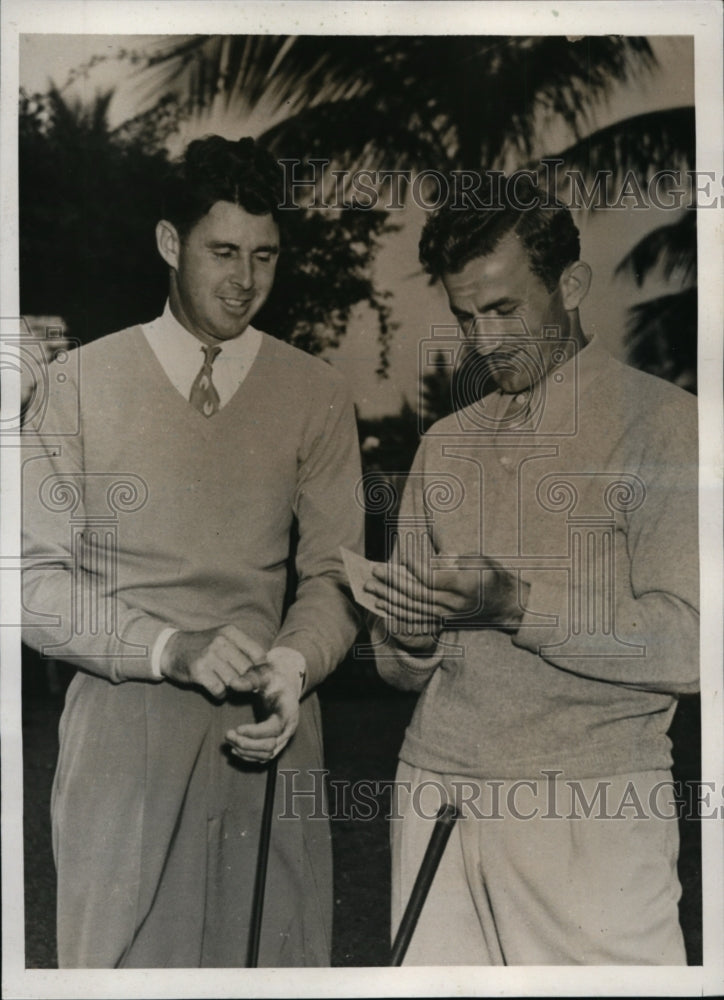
565, 385
553, 401
172, 336
179, 353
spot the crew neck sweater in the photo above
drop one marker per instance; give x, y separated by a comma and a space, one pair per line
587, 684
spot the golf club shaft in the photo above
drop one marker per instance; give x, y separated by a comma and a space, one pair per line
447, 814
261, 866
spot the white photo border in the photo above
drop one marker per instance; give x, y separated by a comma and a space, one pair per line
703, 21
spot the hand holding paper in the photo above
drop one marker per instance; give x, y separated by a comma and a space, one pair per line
416, 600
359, 572
391, 592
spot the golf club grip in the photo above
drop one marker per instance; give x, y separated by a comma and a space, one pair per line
446, 817
261, 866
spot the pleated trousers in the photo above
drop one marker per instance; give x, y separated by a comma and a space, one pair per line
156, 835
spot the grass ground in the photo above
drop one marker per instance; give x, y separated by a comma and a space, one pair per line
364, 724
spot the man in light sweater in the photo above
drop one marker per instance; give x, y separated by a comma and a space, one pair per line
543, 599
167, 488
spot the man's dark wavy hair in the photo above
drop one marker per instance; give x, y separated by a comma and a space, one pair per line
217, 169
455, 234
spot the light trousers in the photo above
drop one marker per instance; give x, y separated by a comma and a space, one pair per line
535, 882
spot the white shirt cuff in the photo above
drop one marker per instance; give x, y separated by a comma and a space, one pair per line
158, 648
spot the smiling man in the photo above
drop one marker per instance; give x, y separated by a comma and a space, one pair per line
543, 598
195, 582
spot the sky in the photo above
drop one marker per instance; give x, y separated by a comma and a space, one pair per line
416, 306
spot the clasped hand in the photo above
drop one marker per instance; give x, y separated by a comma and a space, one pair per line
226, 658
418, 603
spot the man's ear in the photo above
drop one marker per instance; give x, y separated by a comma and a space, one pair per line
574, 284
168, 242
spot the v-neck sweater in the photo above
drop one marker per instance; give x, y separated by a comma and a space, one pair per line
200, 509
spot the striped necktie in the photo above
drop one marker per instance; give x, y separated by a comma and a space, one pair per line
203, 392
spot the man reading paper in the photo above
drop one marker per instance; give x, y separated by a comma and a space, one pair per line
547, 613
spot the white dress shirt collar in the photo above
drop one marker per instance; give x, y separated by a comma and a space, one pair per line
180, 355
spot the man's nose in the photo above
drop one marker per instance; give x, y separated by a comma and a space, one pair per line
488, 333
483, 336
243, 274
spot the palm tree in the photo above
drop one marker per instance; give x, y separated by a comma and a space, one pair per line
661, 334
418, 102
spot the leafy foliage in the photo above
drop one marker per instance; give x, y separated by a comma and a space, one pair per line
661, 337
389, 443
671, 247
88, 207
436, 391
644, 144
388, 446
414, 102
323, 271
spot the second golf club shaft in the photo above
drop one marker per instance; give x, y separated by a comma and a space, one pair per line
446, 817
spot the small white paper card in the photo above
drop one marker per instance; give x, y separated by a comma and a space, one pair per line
359, 571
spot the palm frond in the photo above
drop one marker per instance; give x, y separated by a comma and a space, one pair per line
644, 144
530, 76
75, 117
479, 96
661, 337
335, 131
671, 247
